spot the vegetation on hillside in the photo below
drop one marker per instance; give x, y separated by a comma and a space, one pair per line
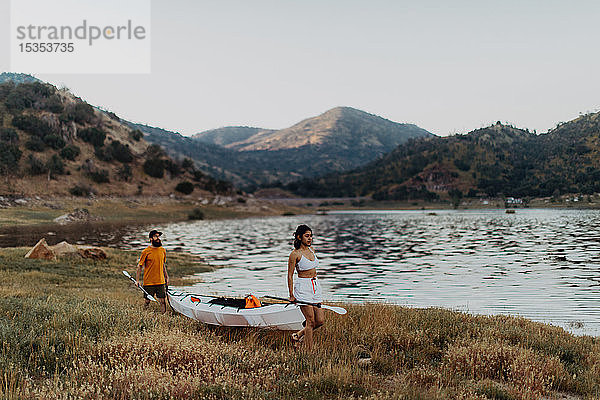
75, 328
498, 160
338, 140
45, 131
227, 135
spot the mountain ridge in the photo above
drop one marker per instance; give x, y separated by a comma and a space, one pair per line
227, 135
339, 125
491, 161
348, 138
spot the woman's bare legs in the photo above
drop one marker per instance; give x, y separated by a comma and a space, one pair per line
315, 317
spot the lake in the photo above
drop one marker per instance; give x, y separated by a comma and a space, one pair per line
541, 264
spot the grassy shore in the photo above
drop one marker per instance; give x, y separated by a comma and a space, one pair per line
75, 328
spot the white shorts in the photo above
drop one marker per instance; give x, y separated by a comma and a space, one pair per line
308, 289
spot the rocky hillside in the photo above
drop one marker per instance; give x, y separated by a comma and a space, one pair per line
491, 161
228, 135
53, 143
342, 127
338, 140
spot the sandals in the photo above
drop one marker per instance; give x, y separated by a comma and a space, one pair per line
296, 340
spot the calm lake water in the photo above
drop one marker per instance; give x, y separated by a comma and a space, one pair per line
540, 264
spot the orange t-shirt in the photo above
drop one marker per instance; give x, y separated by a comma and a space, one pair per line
153, 261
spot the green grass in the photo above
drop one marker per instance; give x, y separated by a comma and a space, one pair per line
77, 329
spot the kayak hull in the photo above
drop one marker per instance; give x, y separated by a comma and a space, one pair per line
273, 316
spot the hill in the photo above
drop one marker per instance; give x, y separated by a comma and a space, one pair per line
345, 127
53, 143
337, 140
490, 161
227, 135
245, 170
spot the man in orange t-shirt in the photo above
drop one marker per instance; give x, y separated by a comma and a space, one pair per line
152, 261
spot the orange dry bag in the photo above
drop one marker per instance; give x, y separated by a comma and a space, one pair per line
252, 301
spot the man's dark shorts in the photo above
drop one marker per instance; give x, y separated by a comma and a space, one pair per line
156, 290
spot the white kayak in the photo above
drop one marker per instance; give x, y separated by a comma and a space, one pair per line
231, 312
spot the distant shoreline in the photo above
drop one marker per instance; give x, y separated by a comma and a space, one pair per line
39, 213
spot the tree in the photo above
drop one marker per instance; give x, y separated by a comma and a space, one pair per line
155, 167
32, 125
9, 135
55, 166
124, 173
36, 166
9, 158
54, 141
185, 187
94, 136
70, 152
81, 113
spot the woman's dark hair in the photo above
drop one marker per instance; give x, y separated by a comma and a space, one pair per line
300, 230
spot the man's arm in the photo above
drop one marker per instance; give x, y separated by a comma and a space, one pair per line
138, 271
165, 271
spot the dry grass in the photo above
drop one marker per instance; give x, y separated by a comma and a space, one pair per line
134, 210
76, 329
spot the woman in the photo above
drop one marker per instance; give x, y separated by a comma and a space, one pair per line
307, 287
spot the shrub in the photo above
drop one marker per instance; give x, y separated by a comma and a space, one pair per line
70, 152
155, 151
223, 186
54, 141
26, 95
32, 125
115, 151
35, 144
99, 176
9, 135
9, 158
103, 154
196, 214
187, 164
36, 166
154, 167
81, 190
185, 187
121, 152
5, 89
113, 116
54, 104
198, 175
172, 167
93, 136
124, 173
55, 165
462, 164
80, 113
136, 135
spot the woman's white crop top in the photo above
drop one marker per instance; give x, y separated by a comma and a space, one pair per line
305, 264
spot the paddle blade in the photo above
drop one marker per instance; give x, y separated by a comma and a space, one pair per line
339, 310
139, 287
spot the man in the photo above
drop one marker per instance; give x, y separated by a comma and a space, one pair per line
156, 278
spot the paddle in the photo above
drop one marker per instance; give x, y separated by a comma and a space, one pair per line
335, 309
138, 286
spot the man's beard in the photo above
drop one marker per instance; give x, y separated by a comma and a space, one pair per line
156, 243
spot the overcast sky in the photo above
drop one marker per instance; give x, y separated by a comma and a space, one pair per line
446, 66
